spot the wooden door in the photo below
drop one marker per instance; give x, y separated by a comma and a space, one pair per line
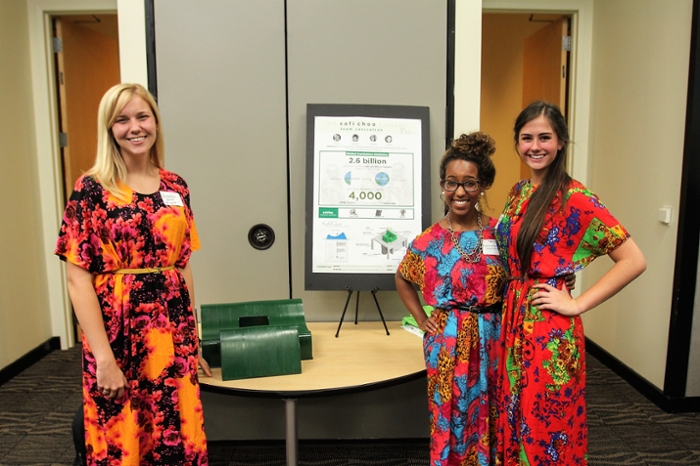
86, 66
545, 71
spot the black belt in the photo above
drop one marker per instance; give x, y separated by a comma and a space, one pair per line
492, 309
511, 278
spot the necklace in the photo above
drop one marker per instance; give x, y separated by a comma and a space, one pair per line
475, 254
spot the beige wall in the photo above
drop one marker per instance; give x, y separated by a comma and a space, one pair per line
638, 100
24, 319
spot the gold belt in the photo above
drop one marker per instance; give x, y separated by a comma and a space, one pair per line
146, 270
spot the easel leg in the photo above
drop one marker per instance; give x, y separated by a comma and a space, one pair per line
374, 295
340, 324
357, 305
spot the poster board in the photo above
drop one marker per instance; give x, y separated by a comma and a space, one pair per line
367, 192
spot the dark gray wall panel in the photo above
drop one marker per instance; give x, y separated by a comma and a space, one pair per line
386, 52
221, 84
221, 89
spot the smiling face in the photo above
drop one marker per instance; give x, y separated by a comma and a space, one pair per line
538, 145
134, 128
460, 202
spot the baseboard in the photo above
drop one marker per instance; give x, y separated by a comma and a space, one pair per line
643, 386
323, 442
28, 359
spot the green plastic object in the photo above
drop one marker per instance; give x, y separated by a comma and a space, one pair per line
410, 320
260, 351
389, 236
211, 351
218, 317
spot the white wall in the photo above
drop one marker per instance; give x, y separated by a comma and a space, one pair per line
132, 41
467, 85
24, 318
638, 99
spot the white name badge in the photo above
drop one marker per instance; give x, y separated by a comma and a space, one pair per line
490, 247
170, 198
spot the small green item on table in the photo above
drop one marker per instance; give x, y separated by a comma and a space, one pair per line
389, 236
410, 320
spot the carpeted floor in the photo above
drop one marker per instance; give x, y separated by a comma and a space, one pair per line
37, 407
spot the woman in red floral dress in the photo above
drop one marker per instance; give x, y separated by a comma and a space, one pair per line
126, 237
551, 226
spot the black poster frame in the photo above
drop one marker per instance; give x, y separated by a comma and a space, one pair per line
359, 281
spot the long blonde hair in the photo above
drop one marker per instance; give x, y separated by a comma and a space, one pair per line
109, 168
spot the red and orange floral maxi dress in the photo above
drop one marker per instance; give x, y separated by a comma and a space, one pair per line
542, 412
461, 358
148, 318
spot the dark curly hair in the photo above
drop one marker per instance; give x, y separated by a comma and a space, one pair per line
476, 148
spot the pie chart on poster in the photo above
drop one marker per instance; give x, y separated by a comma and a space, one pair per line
348, 178
382, 179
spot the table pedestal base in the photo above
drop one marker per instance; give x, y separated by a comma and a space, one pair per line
290, 408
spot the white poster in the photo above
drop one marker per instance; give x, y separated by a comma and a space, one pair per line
366, 193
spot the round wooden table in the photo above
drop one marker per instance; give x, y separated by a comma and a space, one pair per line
363, 357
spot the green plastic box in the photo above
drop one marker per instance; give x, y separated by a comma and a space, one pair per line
260, 351
230, 316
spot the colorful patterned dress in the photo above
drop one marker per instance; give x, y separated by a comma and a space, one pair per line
543, 371
149, 322
462, 357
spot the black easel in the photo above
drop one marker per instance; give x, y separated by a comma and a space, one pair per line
357, 305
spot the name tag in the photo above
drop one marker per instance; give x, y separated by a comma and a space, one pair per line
170, 198
490, 247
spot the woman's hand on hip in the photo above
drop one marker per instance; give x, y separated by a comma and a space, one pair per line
428, 325
553, 299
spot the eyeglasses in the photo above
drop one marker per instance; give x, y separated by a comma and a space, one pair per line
469, 186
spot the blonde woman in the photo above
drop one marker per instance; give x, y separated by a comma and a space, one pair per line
126, 237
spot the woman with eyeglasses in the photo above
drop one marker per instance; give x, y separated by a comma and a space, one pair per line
551, 226
456, 265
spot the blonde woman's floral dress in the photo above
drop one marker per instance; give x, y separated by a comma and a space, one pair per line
148, 318
543, 371
461, 358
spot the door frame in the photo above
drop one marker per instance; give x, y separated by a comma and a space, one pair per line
48, 161
468, 66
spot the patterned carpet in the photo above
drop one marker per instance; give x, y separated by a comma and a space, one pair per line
37, 407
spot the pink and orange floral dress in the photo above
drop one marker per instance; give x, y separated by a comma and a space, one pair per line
149, 321
542, 410
462, 357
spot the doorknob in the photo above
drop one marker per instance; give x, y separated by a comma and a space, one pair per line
261, 236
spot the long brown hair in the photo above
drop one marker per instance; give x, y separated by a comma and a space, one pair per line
556, 180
